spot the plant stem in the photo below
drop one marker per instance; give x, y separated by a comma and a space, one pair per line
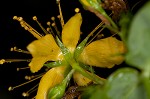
146, 79
91, 76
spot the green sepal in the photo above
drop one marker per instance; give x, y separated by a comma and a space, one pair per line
65, 51
55, 64
86, 67
80, 48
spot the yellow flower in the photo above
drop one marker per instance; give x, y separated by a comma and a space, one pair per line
45, 49
102, 53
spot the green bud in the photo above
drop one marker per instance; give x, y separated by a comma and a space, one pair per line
58, 91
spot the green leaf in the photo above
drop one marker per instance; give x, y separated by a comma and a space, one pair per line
93, 92
122, 84
138, 40
138, 93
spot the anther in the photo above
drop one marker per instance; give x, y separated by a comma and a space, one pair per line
34, 18
57, 1
56, 29
29, 77
10, 88
53, 24
2, 61
52, 18
77, 10
58, 16
18, 69
20, 18
24, 94
15, 18
48, 23
49, 29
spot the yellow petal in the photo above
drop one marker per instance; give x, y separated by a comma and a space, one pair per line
80, 79
103, 53
37, 63
50, 79
71, 32
43, 50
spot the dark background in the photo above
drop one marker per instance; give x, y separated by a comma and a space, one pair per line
12, 34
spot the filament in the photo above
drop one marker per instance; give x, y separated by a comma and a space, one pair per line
22, 68
27, 93
2, 61
12, 88
60, 12
27, 27
35, 19
19, 50
50, 28
96, 28
95, 36
31, 77
56, 29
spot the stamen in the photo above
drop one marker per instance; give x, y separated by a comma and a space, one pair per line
27, 27
95, 35
60, 12
50, 28
96, 28
27, 93
33, 76
2, 61
56, 29
22, 68
35, 19
19, 50
12, 88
